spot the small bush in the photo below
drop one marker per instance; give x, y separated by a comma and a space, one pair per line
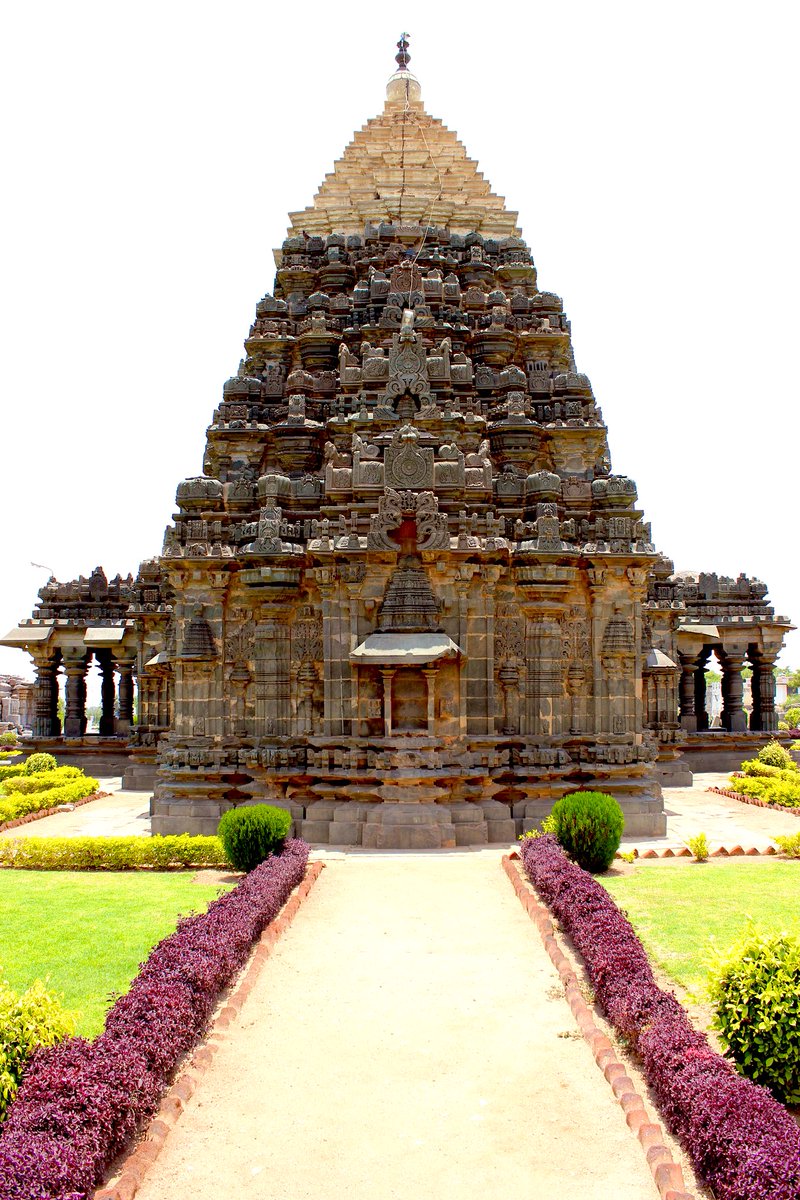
40, 762
252, 833
756, 994
792, 717
589, 826
789, 845
18, 805
26, 1022
776, 755
771, 791
26, 784
699, 847
9, 738
10, 772
111, 853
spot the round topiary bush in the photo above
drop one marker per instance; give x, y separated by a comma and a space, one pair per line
251, 833
775, 755
8, 738
756, 996
40, 762
589, 827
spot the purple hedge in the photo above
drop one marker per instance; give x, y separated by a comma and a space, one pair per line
80, 1103
743, 1144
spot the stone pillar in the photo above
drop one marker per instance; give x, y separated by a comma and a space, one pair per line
462, 590
45, 690
509, 683
430, 674
387, 674
107, 695
700, 693
688, 714
125, 696
734, 718
75, 707
576, 684
763, 688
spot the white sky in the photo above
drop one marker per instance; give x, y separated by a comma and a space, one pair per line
152, 153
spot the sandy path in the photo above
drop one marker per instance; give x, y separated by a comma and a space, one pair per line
408, 1038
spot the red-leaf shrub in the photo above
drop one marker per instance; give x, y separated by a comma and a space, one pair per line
80, 1103
743, 1144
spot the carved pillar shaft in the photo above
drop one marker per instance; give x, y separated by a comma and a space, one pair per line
700, 696
107, 696
688, 714
125, 697
734, 719
387, 676
763, 691
430, 674
75, 708
45, 722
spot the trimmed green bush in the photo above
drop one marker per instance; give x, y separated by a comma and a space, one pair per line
252, 833
10, 772
40, 762
792, 716
775, 755
8, 738
27, 1022
771, 791
756, 994
27, 784
790, 846
111, 853
699, 847
589, 826
19, 805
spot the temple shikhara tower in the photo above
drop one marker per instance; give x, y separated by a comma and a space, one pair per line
408, 598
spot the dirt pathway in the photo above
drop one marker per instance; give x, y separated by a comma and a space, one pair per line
407, 1039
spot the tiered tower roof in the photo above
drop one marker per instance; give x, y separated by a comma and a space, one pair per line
405, 167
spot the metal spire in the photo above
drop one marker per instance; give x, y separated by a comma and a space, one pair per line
403, 57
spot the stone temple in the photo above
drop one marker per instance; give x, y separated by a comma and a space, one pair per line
408, 598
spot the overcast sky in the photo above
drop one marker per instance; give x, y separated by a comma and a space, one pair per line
152, 153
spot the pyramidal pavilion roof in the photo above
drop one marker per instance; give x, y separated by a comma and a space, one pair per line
405, 167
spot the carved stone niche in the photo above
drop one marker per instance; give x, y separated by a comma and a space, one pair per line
368, 470
448, 470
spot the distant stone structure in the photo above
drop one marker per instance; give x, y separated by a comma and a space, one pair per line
16, 703
408, 598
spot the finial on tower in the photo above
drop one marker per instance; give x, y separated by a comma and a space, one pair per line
403, 87
403, 57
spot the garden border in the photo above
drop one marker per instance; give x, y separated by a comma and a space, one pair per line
667, 1174
795, 812
139, 1160
741, 1141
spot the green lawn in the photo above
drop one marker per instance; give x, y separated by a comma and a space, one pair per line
682, 913
85, 934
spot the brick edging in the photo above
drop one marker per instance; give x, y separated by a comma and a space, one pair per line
49, 812
795, 812
721, 852
666, 1173
140, 1159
